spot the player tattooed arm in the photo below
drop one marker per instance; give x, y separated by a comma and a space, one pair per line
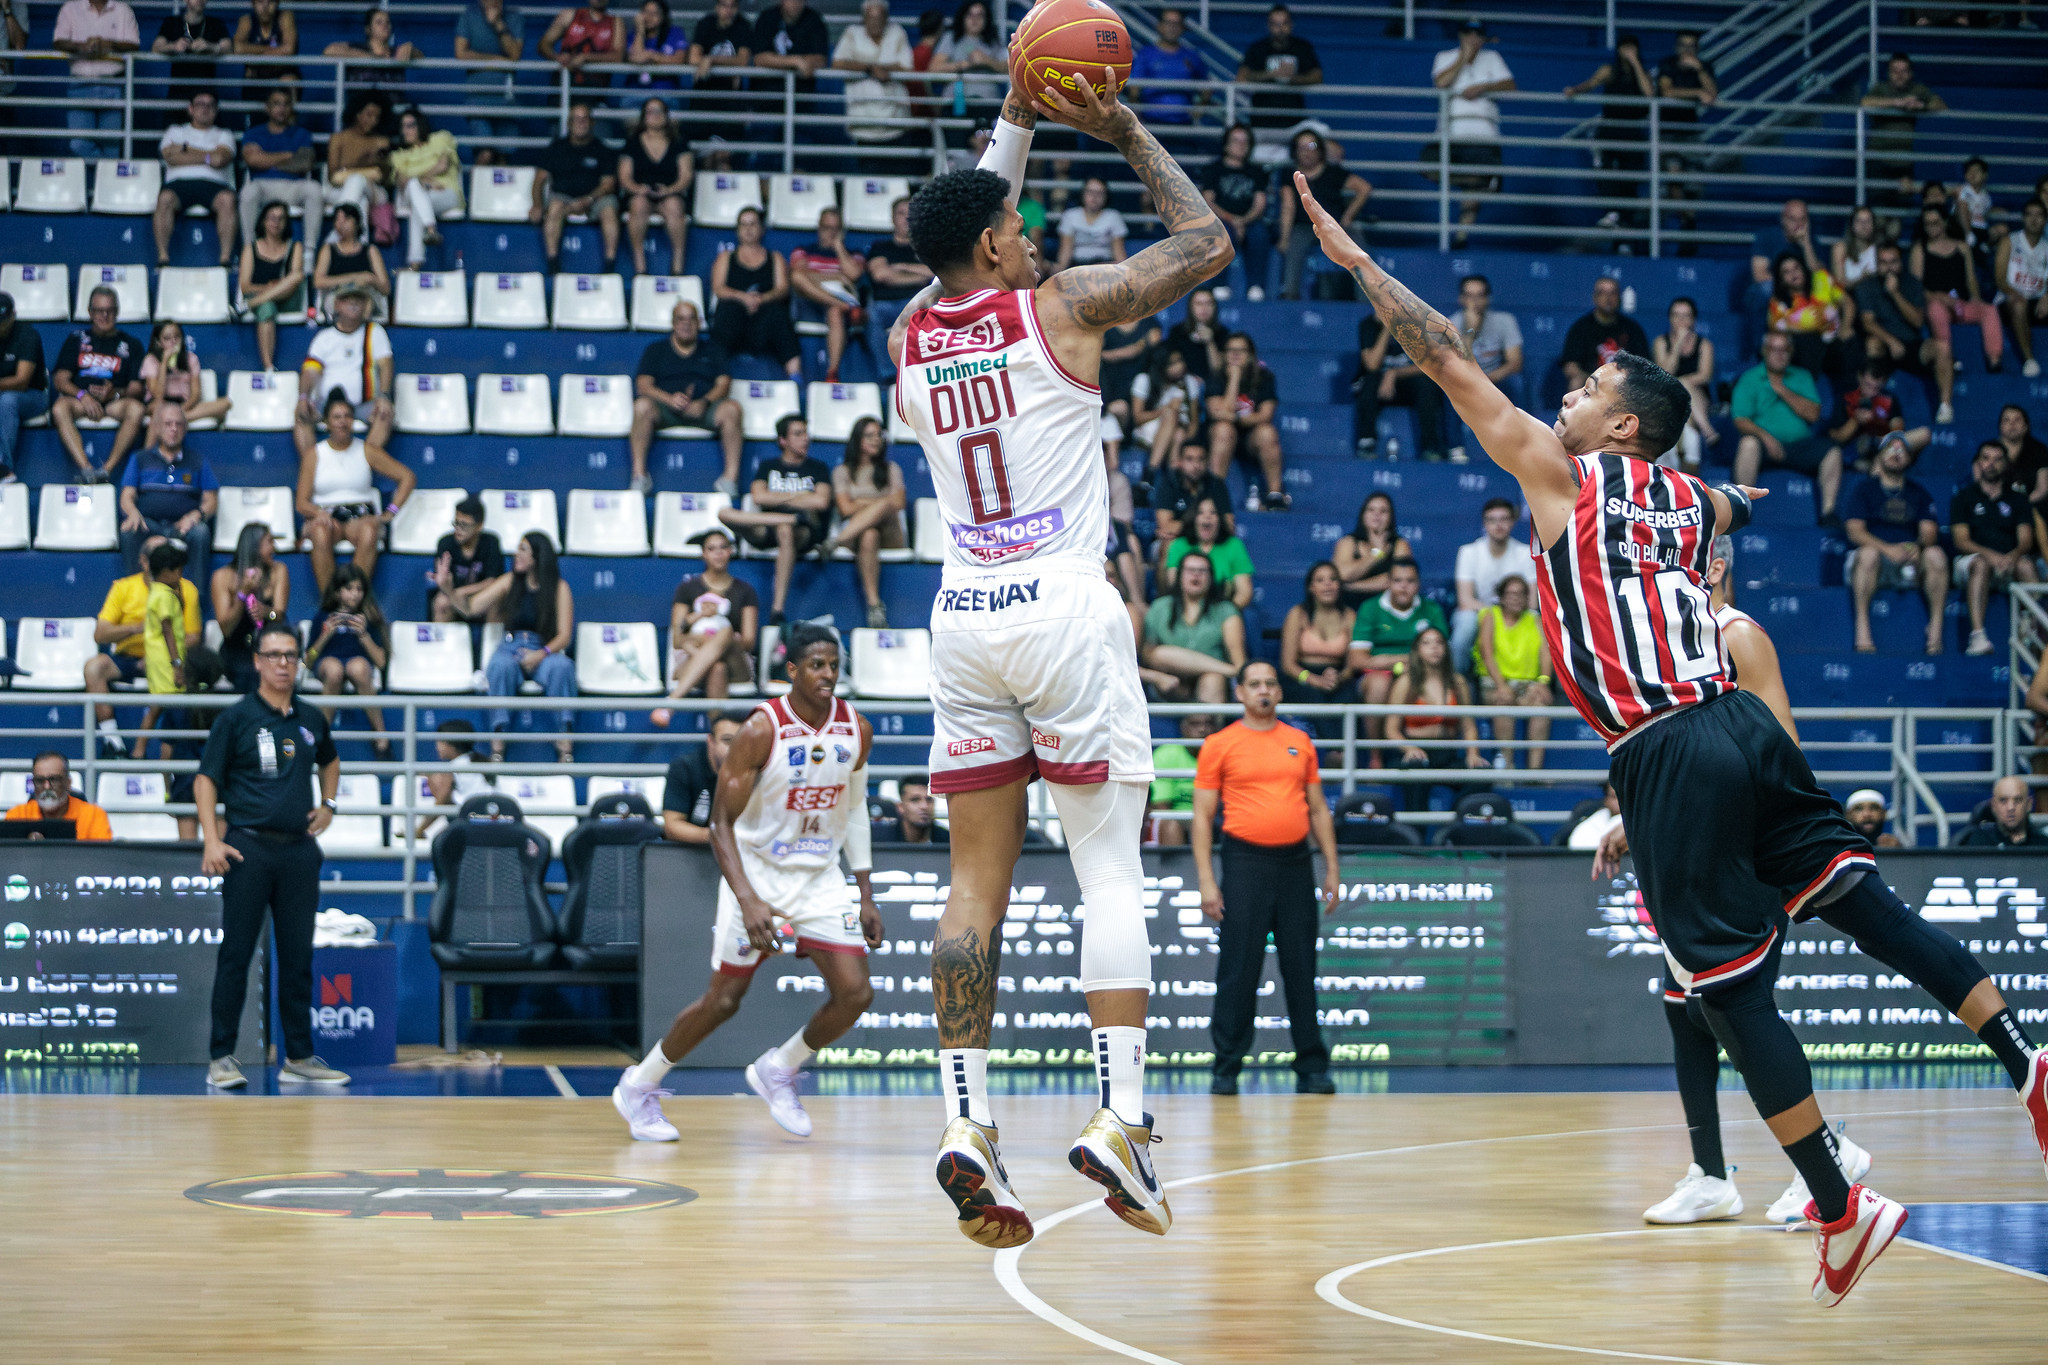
1101, 296
751, 749
964, 987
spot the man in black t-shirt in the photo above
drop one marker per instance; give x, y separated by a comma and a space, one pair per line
1993, 526
192, 31
724, 37
579, 174
683, 382
1687, 83
790, 36
895, 274
24, 395
1180, 486
98, 374
1597, 336
686, 791
1243, 403
1238, 194
1283, 61
464, 561
793, 493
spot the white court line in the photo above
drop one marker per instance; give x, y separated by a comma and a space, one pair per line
1008, 1262
562, 1086
1975, 1260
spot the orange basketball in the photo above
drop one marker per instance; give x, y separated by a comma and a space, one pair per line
1063, 44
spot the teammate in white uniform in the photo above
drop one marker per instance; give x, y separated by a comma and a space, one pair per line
2022, 272
1034, 672
1703, 1196
790, 799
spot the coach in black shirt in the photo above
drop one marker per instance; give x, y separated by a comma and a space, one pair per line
260, 759
686, 792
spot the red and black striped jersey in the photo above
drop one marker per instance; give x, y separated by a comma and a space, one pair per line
1622, 596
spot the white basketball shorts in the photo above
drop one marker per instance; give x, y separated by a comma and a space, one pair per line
1035, 674
814, 905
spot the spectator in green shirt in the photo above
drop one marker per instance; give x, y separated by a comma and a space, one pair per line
1194, 637
1177, 793
1775, 406
1227, 554
1385, 631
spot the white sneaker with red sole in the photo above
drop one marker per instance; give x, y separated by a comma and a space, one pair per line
2035, 1097
1849, 1246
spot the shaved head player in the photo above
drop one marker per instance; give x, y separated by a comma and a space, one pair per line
1730, 830
1034, 673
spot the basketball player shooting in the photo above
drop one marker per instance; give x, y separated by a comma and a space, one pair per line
1730, 829
1034, 672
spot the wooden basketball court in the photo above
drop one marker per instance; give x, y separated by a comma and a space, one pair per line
1392, 1227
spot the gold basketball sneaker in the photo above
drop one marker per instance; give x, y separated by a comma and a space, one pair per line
1115, 1155
971, 1173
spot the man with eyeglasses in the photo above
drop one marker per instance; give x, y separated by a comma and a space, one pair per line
98, 374
50, 798
261, 759
465, 560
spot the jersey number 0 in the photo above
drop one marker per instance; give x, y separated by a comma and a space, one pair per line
988, 482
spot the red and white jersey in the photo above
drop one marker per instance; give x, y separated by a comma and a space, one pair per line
797, 815
1014, 442
1623, 600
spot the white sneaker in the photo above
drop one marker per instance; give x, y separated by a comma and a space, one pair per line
1255, 294
1945, 414
311, 1071
1850, 1246
778, 1086
970, 1171
1116, 1155
222, 1073
1699, 1198
1790, 1208
2032, 369
1980, 643
640, 1107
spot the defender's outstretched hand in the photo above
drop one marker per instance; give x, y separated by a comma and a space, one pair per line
1099, 114
1336, 242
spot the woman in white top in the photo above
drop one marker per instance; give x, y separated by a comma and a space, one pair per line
2023, 273
1093, 233
338, 492
1175, 413
967, 47
1855, 254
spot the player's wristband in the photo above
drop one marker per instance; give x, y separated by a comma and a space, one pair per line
1739, 506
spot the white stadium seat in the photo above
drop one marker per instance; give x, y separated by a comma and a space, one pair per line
678, 517
51, 184
617, 659
131, 282
513, 405
240, 507
868, 199
192, 294
895, 664
42, 293
134, 803
740, 687
795, 201
13, 523
648, 789
832, 409
427, 515
264, 400
500, 194
590, 303
77, 517
899, 430
431, 404
596, 404
655, 298
127, 187
52, 651
548, 803
429, 657
350, 828
18, 785
509, 513
928, 531
510, 298
607, 523
763, 403
722, 194
209, 389
430, 298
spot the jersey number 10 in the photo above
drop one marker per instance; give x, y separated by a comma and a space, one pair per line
1688, 617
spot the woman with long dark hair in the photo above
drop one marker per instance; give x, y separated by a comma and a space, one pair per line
1194, 637
427, 168
1235, 187
657, 41
1943, 266
655, 171
1204, 532
1315, 640
1428, 679
1689, 358
1375, 542
751, 284
348, 257
251, 589
1854, 253
273, 276
1817, 315
969, 46
539, 615
350, 642
170, 374
868, 491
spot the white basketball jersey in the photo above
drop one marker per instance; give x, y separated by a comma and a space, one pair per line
797, 815
2026, 270
1014, 442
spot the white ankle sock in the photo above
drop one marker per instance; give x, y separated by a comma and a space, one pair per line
795, 1052
651, 1069
963, 1079
1120, 1067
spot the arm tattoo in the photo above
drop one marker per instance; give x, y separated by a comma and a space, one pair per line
964, 988
1430, 339
1105, 295
1017, 112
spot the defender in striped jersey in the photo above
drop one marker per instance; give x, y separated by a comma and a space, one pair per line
1731, 832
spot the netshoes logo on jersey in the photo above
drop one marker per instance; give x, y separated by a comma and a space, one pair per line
801, 848
812, 798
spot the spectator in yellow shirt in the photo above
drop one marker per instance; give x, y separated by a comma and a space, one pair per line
120, 624
163, 642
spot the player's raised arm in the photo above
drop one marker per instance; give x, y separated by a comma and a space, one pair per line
751, 749
1099, 297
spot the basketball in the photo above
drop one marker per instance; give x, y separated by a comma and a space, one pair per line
1064, 43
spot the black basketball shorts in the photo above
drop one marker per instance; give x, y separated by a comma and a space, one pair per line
1730, 833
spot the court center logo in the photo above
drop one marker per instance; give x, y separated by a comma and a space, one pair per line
440, 1195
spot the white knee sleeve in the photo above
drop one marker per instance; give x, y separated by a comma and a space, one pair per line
1103, 825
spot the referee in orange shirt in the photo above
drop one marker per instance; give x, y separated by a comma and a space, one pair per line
1265, 773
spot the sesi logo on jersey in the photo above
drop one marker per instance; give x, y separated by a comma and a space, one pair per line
812, 798
983, 334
